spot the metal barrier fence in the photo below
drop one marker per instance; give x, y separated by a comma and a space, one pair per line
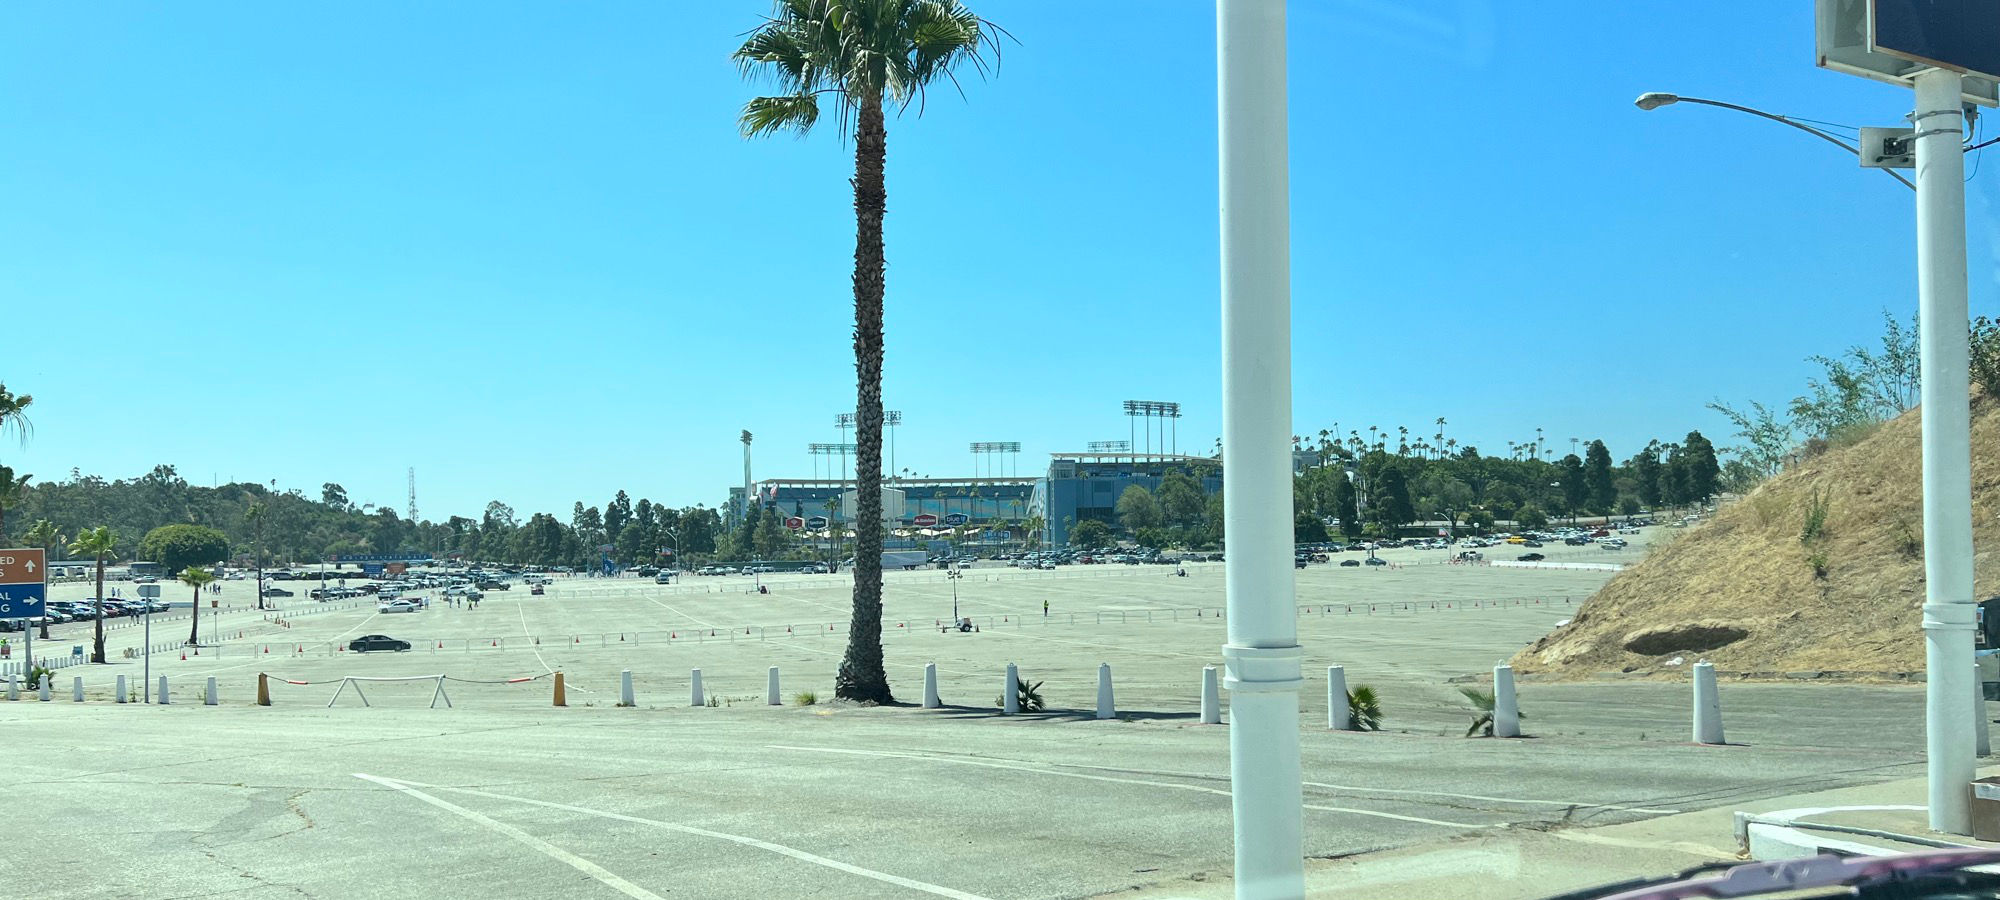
890, 627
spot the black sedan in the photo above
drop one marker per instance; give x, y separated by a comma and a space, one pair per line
1532, 557
1351, 562
368, 642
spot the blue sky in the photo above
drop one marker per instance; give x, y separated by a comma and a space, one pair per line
520, 246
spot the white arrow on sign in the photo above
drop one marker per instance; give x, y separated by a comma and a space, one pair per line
31, 567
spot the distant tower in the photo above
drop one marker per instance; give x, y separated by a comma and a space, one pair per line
748, 496
413, 493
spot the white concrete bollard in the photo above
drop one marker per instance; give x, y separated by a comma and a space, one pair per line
76, 689
1506, 709
771, 697
163, 691
1211, 697
121, 689
1010, 697
1337, 717
1107, 708
625, 697
930, 686
13, 687
694, 693
47, 687
1707, 706
208, 696
1981, 733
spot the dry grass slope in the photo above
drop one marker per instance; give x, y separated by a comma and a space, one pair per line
1747, 572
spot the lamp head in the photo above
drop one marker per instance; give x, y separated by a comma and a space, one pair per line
1655, 100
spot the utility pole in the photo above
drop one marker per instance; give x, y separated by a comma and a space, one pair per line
1262, 656
1944, 358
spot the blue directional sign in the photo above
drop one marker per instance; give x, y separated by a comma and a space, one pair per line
22, 601
23, 583
382, 557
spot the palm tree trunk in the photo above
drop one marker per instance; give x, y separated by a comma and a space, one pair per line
194, 619
97, 643
862, 676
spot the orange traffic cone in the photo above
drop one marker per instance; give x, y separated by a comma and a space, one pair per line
184, 656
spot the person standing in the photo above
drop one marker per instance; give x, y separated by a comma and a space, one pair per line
1045, 607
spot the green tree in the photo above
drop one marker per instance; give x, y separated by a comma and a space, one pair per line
1137, 509
1345, 506
197, 578
1646, 473
97, 542
13, 490
334, 496
1574, 490
866, 55
1703, 472
178, 547
1307, 528
13, 414
1090, 533
1389, 501
1443, 495
1181, 500
769, 538
1767, 438
1531, 517
1597, 476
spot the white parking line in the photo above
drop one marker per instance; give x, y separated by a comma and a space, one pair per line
1139, 781
683, 615
780, 849
574, 861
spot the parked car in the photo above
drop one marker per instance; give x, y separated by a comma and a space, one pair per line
658, 578
397, 606
1531, 557
537, 590
275, 591
492, 584
369, 642
1375, 561
1351, 562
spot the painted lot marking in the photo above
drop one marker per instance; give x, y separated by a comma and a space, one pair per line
552, 851
1139, 781
678, 612
409, 787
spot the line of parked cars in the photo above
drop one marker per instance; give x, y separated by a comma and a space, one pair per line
63, 611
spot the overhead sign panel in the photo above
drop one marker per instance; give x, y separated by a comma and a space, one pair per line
23, 583
1895, 40
1962, 35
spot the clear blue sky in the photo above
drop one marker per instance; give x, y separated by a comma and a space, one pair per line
521, 247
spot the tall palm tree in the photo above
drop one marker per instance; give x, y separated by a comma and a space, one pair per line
867, 55
1440, 436
196, 578
13, 408
97, 542
12, 491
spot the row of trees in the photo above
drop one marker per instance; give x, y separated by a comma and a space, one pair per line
271, 526
1843, 402
1373, 492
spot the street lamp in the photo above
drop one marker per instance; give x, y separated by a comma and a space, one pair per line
1655, 99
953, 576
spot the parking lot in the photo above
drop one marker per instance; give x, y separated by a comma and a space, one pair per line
503, 795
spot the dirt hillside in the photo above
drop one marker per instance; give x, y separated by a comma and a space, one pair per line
1741, 590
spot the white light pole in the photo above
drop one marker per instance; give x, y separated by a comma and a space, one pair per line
1947, 442
1262, 654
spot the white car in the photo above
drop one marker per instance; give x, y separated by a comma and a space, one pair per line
397, 606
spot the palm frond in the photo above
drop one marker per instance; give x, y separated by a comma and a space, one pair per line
769, 115
1482, 700
1364, 709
